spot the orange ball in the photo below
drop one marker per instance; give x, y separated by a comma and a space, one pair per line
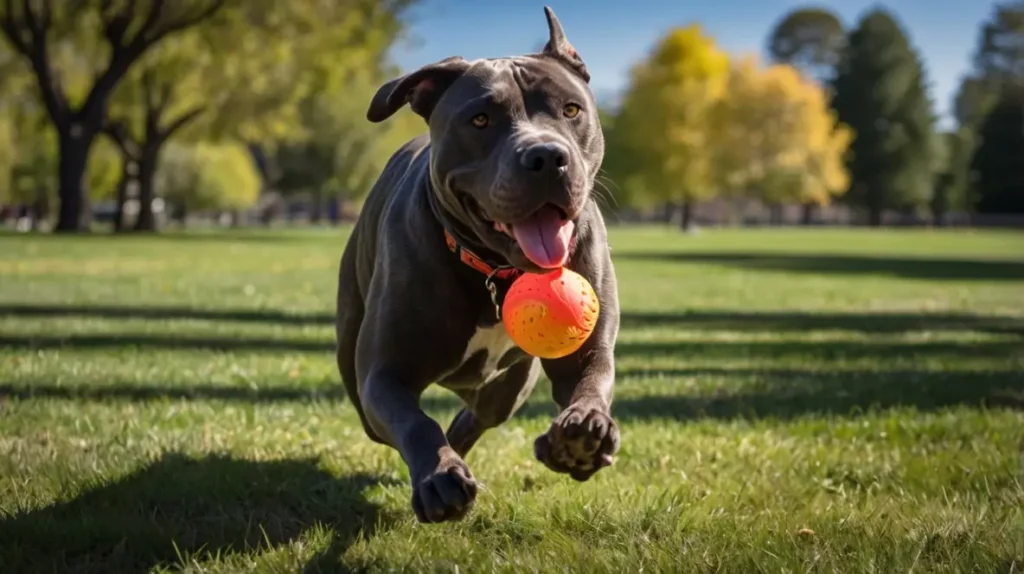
550, 315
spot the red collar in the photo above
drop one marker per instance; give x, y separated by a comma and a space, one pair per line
477, 262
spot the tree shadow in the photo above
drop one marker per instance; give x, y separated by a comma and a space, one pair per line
166, 312
791, 393
801, 321
169, 236
191, 392
820, 350
180, 506
868, 322
839, 264
41, 342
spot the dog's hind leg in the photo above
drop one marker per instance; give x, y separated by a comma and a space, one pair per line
492, 405
350, 312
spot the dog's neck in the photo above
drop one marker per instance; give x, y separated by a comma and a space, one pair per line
463, 242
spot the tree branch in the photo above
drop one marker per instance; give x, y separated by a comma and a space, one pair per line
182, 120
181, 23
117, 131
35, 50
12, 29
124, 54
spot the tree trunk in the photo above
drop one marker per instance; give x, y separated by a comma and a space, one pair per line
334, 210
40, 210
316, 208
181, 215
875, 216
146, 221
73, 150
121, 198
686, 216
807, 214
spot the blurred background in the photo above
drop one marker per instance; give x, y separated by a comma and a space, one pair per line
142, 115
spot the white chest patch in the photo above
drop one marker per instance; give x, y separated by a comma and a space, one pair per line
496, 342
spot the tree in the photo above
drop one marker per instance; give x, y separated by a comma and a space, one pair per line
997, 74
664, 121
777, 138
126, 30
808, 39
952, 182
880, 91
207, 177
244, 75
1000, 54
999, 159
344, 153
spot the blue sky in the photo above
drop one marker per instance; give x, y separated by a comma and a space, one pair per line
613, 34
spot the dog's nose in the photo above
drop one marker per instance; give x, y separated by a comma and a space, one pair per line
547, 157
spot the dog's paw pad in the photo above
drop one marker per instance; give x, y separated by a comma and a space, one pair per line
580, 442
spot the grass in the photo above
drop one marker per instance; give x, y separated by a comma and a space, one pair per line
790, 401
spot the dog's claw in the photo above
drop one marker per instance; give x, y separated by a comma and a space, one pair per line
580, 442
446, 494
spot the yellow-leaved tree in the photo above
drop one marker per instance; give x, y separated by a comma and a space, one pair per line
663, 129
777, 139
207, 176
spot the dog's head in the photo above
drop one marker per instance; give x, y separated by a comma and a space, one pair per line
515, 144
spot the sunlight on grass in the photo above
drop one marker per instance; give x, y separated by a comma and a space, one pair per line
847, 401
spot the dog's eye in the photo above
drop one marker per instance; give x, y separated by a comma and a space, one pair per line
480, 120
570, 110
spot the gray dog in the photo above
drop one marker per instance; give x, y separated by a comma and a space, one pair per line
500, 186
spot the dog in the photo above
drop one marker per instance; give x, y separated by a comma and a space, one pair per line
501, 184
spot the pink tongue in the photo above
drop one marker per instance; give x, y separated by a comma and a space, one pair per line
544, 237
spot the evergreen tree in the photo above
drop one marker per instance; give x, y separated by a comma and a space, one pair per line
880, 91
989, 109
999, 160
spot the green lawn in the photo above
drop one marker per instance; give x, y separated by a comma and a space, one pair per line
790, 401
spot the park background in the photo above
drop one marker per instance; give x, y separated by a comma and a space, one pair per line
815, 214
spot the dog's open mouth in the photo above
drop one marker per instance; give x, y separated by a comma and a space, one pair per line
544, 236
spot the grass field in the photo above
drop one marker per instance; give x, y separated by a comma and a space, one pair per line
790, 401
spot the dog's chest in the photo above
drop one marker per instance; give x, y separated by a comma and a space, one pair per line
488, 354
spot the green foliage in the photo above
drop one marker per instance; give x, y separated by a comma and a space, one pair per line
881, 93
1000, 54
665, 125
8, 155
952, 185
997, 78
808, 39
104, 170
208, 176
343, 153
999, 159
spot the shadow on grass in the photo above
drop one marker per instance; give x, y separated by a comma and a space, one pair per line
839, 264
180, 506
802, 321
154, 312
722, 393
775, 350
819, 351
789, 393
147, 393
696, 319
172, 236
41, 342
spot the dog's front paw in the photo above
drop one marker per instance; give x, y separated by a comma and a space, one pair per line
446, 493
580, 442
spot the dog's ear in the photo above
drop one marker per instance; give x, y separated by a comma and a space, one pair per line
420, 89
560, 48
